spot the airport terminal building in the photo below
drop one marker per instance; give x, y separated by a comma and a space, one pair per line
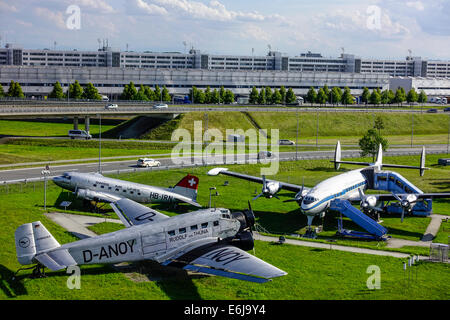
110, 70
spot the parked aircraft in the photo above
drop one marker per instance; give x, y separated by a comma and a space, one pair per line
211, 241
94, 186
338, 191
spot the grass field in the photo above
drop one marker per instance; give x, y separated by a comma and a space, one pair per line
312, 273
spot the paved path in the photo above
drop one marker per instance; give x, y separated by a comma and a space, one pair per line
312, 244
77, 224
433, 227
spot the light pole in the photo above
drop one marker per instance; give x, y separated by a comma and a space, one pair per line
210, 189
296, 140
100, 144
45, 173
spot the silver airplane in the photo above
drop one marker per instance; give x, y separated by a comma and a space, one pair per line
94, 186
348, 186
211, 241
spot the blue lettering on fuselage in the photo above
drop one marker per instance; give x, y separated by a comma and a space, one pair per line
337, 195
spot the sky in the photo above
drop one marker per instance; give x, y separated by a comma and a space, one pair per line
366, 28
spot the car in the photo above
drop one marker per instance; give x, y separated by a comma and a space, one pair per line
160, 106
286, 142
81, 134
146, 162
432, 110
447, 109
111, 106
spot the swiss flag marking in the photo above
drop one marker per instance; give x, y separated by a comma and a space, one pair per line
190, 182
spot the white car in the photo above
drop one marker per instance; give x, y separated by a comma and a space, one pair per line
285, 142
145, 162
79, 134
111, 106
160, 106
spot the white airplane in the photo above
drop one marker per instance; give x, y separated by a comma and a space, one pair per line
344, 188
211, 241
94, 186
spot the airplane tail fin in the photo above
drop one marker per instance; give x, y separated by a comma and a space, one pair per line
379, 163
187, 187
35, 243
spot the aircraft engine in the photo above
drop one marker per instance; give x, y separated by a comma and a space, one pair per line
369, 203
85, 194
243, 240
246, 219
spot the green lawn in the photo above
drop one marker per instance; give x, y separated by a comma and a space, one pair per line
312, 273
45, 128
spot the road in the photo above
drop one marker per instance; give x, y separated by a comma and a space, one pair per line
127, 165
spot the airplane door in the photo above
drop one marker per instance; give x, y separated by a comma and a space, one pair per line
153, 242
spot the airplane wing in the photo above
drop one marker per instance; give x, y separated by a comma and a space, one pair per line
225, 260
225, 171
96, 195
132, 213
388, 196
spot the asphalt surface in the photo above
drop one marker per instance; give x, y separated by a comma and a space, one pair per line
35, 173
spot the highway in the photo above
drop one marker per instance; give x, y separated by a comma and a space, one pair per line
127, 165
14, 109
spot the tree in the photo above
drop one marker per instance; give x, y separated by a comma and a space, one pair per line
370, 142
276, 97
375, 97
311, 96
422, 98
199, 96
165, 95
336, 95
290, 96
391, 96
365, 95
412, 96
157, 93
215, 97
149, 93
193, 94
90, 92
400, 96
222, 94
262, 96
283, 94
321, 96
15, 90
253, 99
129, 92
208, 95
268, 95
228, 96
385, 97
2, 93
326, 91
57, 92
347, 98
140, 95
378, 124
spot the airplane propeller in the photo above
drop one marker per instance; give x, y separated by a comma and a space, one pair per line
299, 195
405, 203
366, 204
268, 190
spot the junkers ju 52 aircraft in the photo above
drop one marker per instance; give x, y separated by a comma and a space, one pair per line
337, 193
211, 241
96, 187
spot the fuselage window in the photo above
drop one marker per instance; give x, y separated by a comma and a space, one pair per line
194, 227
124, 190
131, 192
95, 185
216, 223
117, 189
102, 187
182, 230
204, 225
171, 233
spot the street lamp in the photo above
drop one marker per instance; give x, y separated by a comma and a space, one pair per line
210, 195
45, 173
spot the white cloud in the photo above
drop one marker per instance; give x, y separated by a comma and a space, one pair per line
215, 10
99, 5
57, 18
4, 7
416, 5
